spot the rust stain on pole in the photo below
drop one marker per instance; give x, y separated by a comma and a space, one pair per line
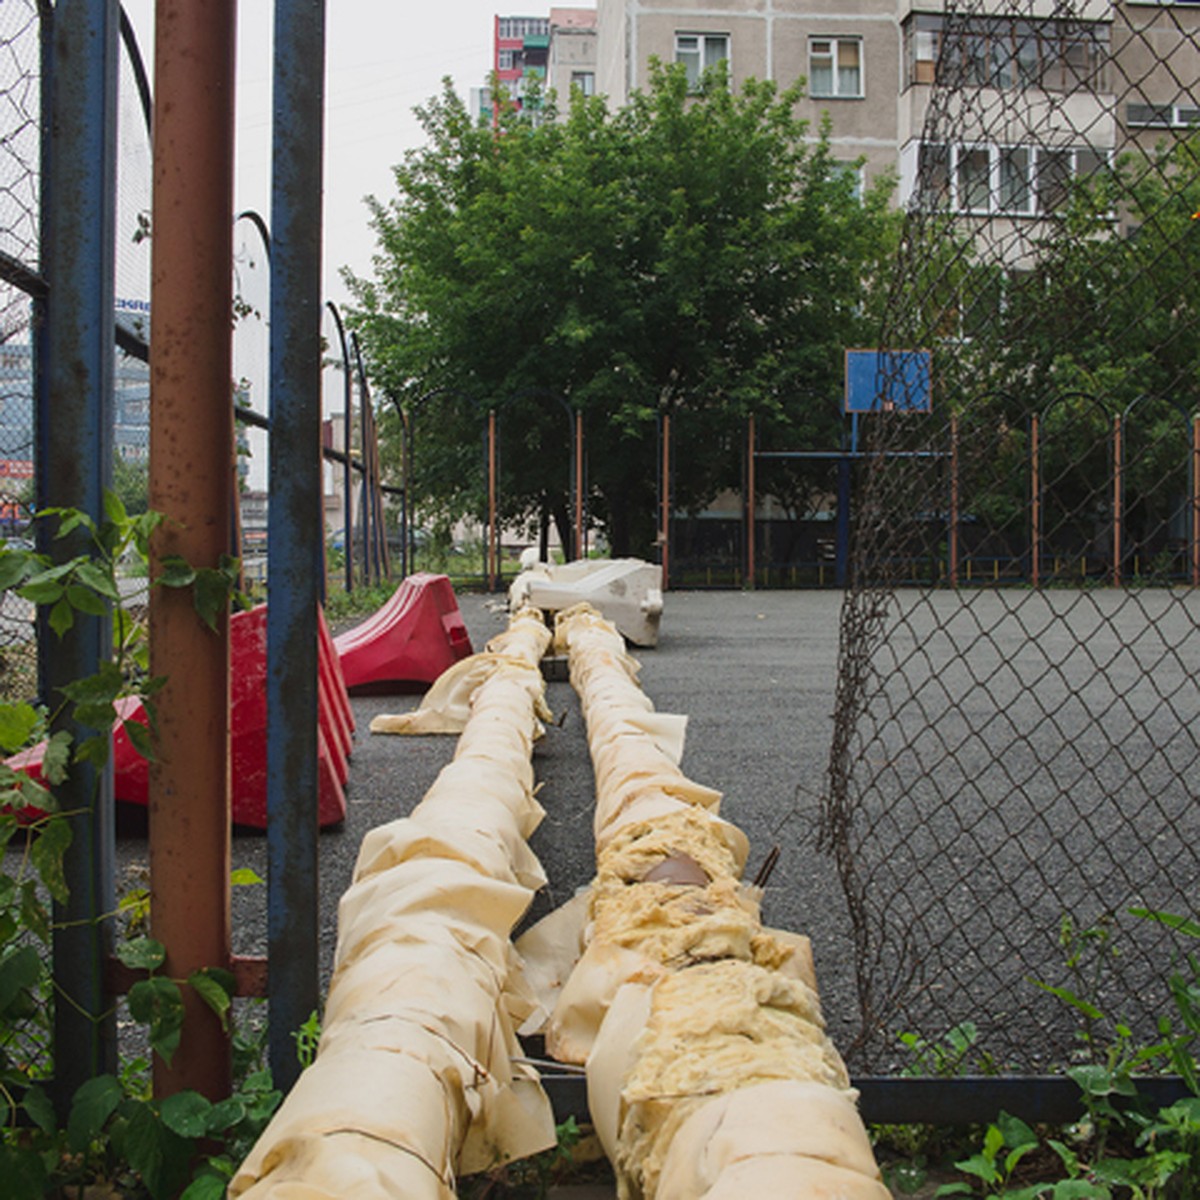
751, 487
492, 531
1035, 505
579, 551
666, 499
191, 435
1118, 489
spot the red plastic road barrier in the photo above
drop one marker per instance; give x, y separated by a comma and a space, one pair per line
407, 642
248, 732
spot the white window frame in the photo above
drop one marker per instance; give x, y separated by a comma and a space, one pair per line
1036, 160
585, 81
833, 54
700, 51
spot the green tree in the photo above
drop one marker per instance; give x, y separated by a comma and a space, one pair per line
701, 254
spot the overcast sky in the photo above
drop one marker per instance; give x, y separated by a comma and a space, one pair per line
383, 57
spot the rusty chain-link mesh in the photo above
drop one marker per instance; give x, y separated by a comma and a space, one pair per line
1016, 755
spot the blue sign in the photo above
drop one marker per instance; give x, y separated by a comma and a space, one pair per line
879, 381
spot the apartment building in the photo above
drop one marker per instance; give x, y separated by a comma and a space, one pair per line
558, 51
1025, 97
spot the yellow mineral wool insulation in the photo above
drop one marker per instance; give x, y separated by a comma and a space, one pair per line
693, 1017
415, 1079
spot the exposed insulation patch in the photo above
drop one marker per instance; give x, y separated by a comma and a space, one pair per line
710, 1074
414, 1080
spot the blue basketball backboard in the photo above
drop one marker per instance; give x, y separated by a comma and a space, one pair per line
889, 381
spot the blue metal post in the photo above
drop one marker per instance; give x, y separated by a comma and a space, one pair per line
295, 525
75, 420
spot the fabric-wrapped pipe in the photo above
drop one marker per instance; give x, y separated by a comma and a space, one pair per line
414, 1080
710, 1073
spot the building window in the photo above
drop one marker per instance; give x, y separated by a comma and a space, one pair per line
699, 51
515, 28
504, 60
1162, 116
585, 81
835, 67
990, 180
1006, 52
853, 170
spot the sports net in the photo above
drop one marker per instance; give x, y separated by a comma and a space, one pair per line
1017, 730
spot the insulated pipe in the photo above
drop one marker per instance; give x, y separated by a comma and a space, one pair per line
709, 1070
415, 1079
191, 432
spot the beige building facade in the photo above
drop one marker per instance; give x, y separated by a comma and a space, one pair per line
1036, 93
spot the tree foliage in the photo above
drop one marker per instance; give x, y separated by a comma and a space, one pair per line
701, 254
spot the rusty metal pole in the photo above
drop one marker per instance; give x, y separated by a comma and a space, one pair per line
751, 487
1035, 506
1117, 498
191, 430
1196, 501
953, 539
666, 501
491, 486
579, 549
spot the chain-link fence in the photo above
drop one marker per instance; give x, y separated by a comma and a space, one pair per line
20, 176
1017, 736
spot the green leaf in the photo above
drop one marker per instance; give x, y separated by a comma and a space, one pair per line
1016, 1133
93, 1104
141, 739
141, 954
1086, 1007
158, 1154
19, 973
34, 914
226, 1113
216, 987
175, 572
955, 1189
62, 616
1182, 924
17, 725
23, 1173
57, 757
40, 590
86, 601
99, 580
157, 1003
211, 595
187, 1114
105, 684
114, 507
245, 877
1094, 1079
71, 519
206, 1187
15, 565
39, 1109
47, 855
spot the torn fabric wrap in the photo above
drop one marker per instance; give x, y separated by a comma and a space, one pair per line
414, 1080
710, 1074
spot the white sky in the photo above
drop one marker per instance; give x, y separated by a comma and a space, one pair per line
382, 58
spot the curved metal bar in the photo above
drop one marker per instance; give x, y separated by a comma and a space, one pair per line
348, 467
138, 65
